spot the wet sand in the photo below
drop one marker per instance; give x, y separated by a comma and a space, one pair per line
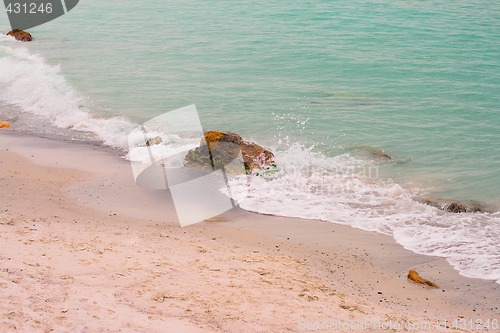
83, 249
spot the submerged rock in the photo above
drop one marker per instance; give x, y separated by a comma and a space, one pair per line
222, 148
20, 35
381, 153
453, 206
4, 124
373, 151
456, 207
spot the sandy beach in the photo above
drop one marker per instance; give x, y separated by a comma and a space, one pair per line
83, 249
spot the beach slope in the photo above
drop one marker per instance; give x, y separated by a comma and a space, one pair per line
84, 250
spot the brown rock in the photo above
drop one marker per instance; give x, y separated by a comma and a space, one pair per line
413, 276
216, 136
20, 35
256, 157
374, 151
4, 124
453, 206
154, 141
456, 207
381, 153
222, 148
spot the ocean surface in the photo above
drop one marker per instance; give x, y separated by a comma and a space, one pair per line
322, 84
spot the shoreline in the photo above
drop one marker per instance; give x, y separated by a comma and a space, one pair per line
253, 272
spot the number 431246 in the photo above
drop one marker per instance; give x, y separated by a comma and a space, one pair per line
29, 8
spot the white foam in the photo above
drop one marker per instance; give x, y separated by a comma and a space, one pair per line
174, 153
172, 147
346, 190
38, 88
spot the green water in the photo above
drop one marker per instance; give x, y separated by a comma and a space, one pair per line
419, 80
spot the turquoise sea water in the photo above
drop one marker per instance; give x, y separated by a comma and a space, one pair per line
318, 81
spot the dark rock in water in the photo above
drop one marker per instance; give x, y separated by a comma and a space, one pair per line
381, 153
20, 35
216, 136
153, 141
216, 149
256, 157
453, 206
456, 207
373, 150
222, 148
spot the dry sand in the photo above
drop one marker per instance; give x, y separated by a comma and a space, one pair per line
85, 250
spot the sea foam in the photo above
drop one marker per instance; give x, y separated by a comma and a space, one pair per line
38, 88
348, 190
